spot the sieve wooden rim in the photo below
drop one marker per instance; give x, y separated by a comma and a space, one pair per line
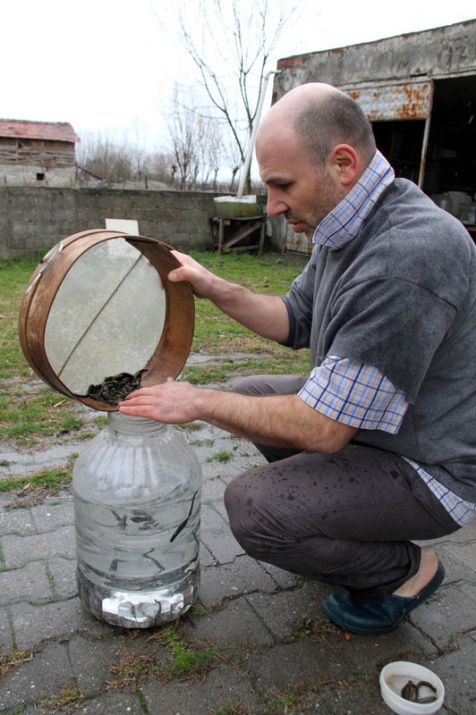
175, 342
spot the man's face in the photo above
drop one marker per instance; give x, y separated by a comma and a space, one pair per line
296, 189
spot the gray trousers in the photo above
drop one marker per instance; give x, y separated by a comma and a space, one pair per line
347, 519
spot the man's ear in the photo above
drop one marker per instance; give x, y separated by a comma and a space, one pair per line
343, 163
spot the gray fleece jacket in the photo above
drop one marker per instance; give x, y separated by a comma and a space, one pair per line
402, 297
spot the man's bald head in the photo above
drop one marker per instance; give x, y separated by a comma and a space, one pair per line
322, 116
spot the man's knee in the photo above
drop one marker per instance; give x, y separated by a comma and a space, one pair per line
252, 385
268, 384
245, 515
233, 499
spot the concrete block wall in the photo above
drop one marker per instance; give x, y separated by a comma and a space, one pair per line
34, 219
17, 174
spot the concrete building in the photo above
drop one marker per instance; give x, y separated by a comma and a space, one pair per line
419, 92
37, 153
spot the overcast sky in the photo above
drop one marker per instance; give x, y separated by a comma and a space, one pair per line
108, 65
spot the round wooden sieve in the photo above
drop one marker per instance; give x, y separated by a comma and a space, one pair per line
101, 299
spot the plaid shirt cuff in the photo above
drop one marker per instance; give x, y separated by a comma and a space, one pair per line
355, 394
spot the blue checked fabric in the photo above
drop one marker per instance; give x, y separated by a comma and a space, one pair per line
357, 395
344, 222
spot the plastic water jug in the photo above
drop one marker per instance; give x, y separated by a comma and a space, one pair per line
137, 496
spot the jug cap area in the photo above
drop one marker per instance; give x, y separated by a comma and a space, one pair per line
99, 307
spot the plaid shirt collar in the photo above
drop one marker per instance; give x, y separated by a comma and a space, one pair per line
344, 222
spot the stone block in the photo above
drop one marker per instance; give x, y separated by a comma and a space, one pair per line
18, 550
28, 583
41, 677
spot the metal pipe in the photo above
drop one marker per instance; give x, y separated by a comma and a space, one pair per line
249, 154
426, 136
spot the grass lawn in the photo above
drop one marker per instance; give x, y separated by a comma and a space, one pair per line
30, 411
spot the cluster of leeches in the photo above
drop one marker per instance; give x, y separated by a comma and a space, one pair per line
115, 388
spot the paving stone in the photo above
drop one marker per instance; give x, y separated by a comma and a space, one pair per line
451, 611
51, 515
368, 654
236, 623
6, 640
19, 549
354, 698
17, 521
285, 612
28, 583
220, 508
115, 702
297, 665
457, 671
231, 580
206, 557
213, 490
466, 554
34, 624
284, 579
63, 572
450, 555
90, 658
216, 535
46, 673
223, 688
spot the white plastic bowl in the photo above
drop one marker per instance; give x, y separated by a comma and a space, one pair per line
396, 675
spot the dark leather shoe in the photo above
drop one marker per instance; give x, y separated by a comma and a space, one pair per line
381, 615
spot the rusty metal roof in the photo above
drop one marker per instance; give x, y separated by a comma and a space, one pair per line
393, 99
52, 131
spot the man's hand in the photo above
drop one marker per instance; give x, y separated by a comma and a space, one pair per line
192, 272
265, 315
171, 402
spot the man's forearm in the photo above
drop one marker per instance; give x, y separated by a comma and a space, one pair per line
265, 315
277, 420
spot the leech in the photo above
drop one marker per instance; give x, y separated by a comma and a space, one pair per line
150, 558
411, 692
121, 520
182, 526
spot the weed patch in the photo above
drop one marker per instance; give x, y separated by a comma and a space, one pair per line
173, 657
277, 702
185, 660
10, 661
68, 699
220, 457
35, 488
319, 630
131, 670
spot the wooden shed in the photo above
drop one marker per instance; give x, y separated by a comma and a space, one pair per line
37, 153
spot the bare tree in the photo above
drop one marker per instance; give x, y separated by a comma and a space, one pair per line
233, 161
162, 167
105, 158
185, 128
230, 43
214, 150
119, 162
197, 140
